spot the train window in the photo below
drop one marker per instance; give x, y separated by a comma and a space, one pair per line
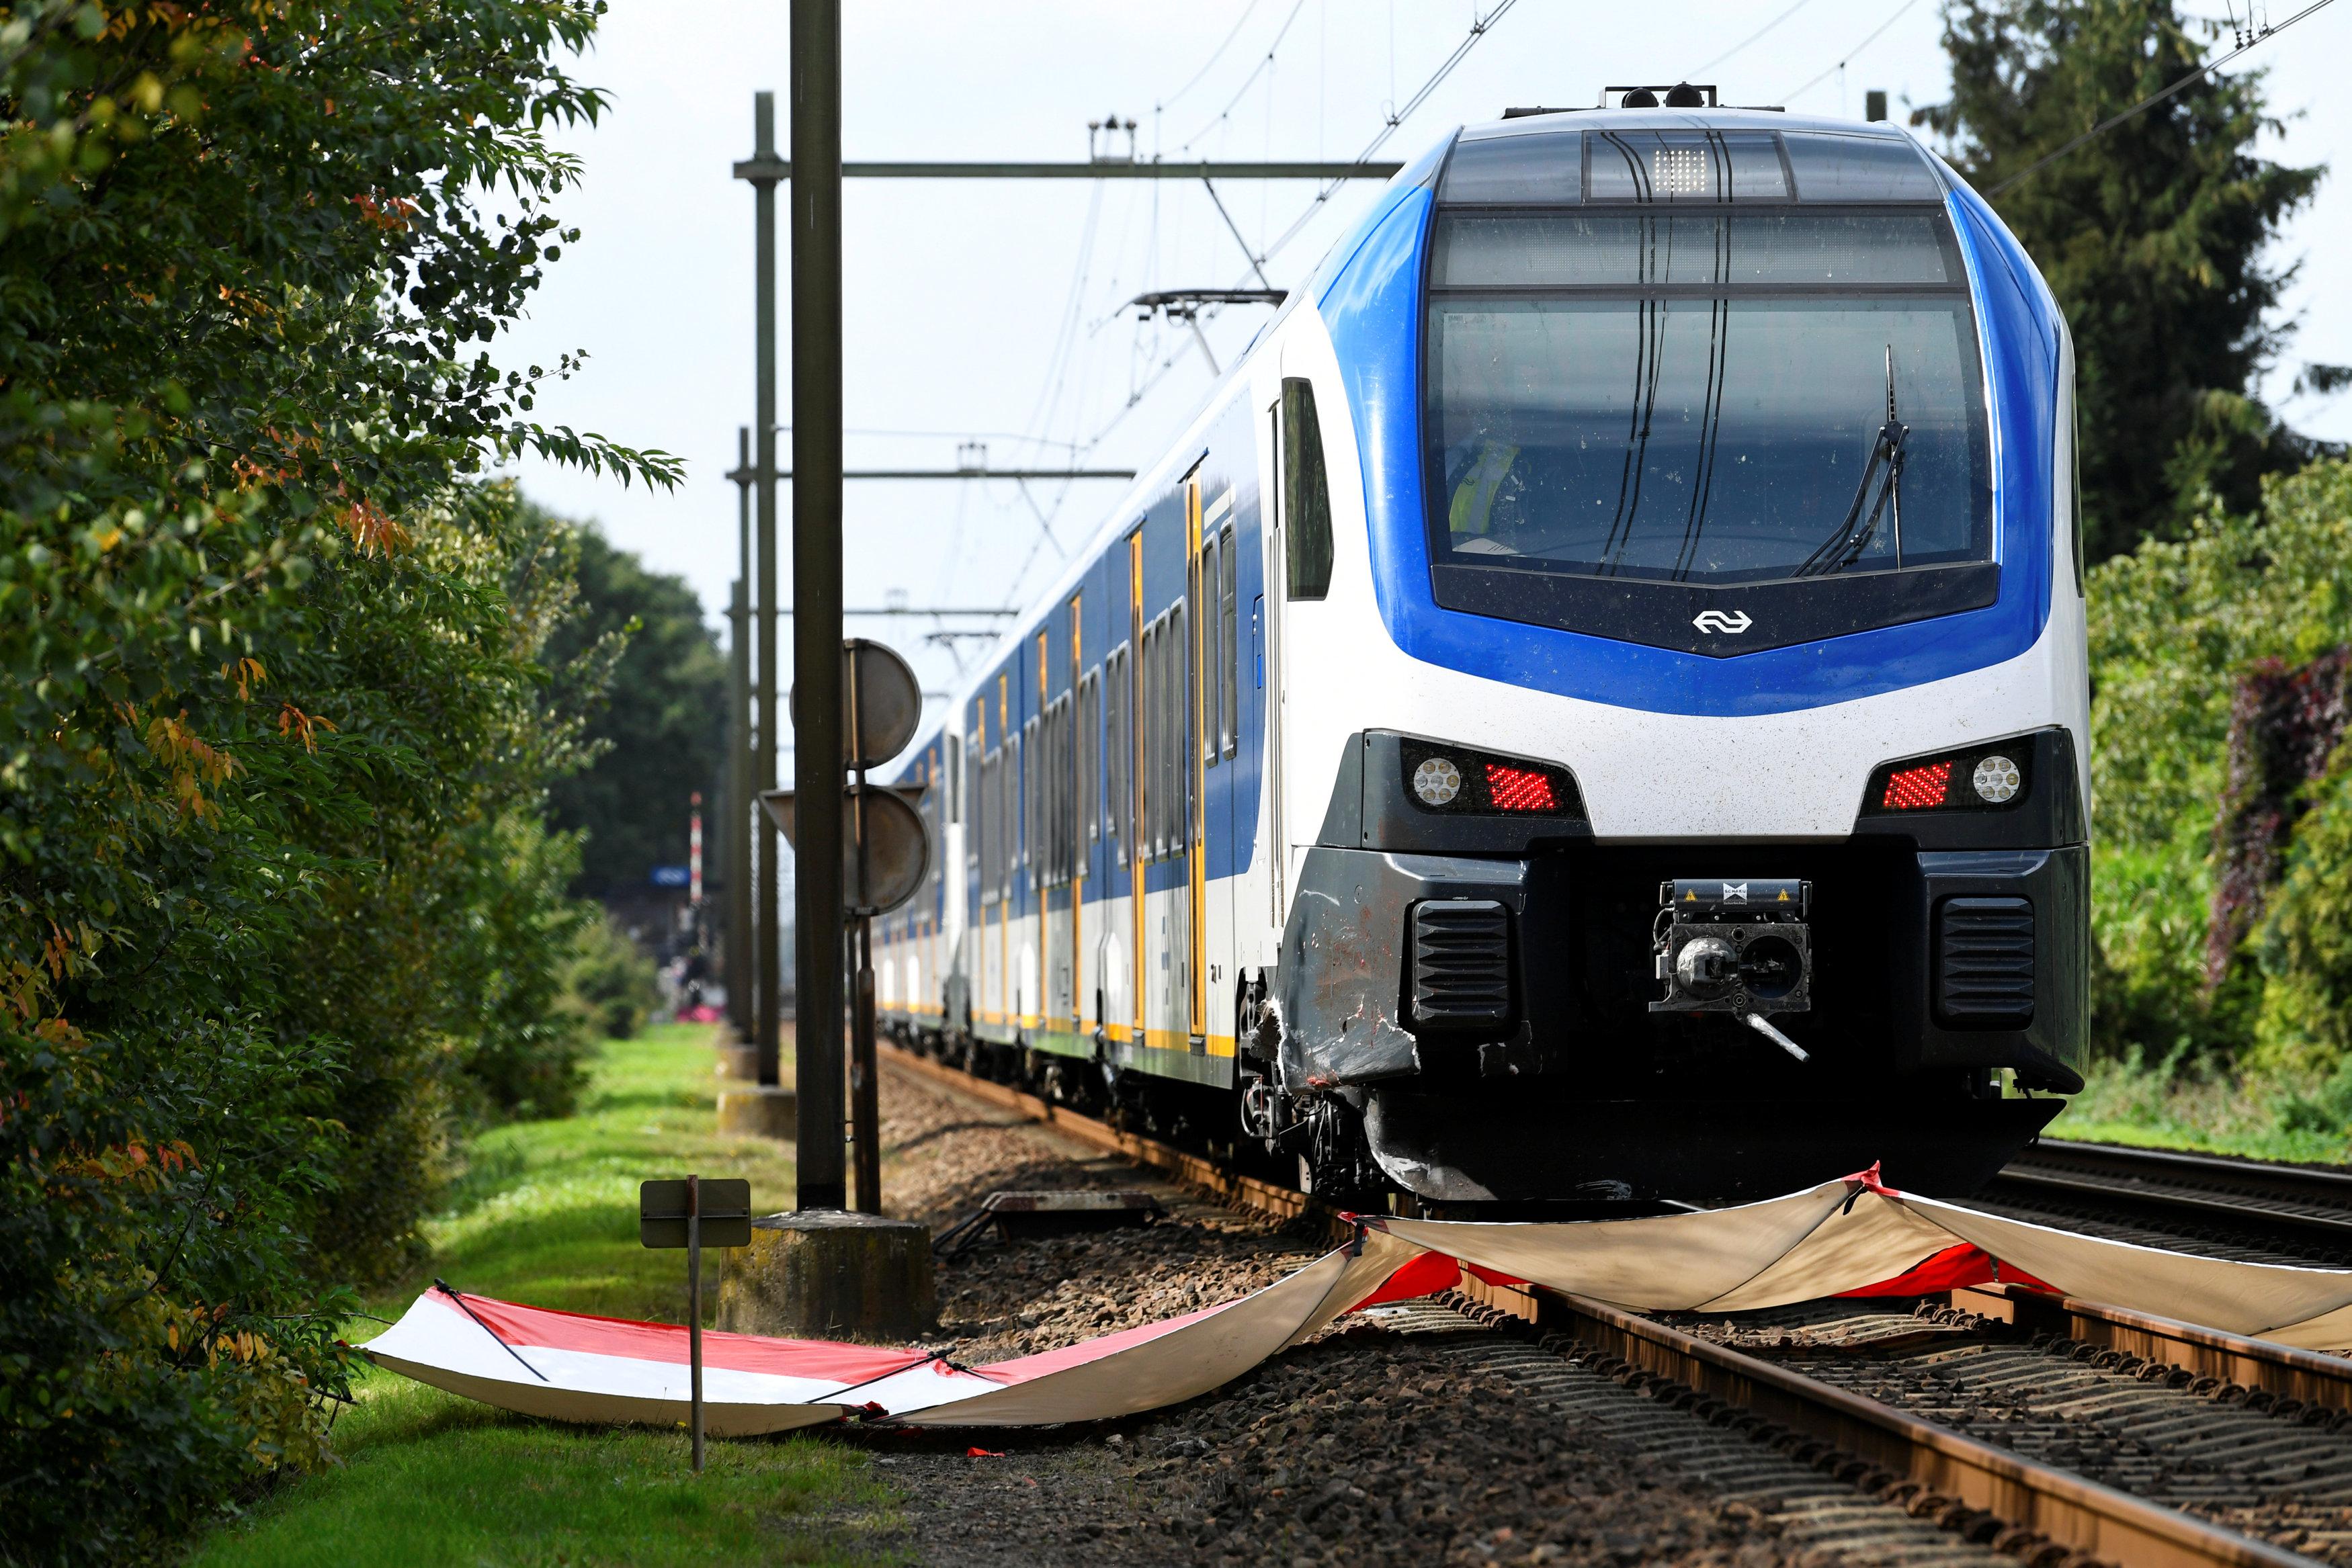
970, 779
1306, 492
1118, 754
1213, 636
1146, 742
1085, 785
992, 825
1228, 657
1015, 753
1834, 168
1061, 817
1809, 404
1698, 246
1031, 781
1521, 166
1178, 794
1685, 166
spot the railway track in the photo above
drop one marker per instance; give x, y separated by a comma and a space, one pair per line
2048, 1430
2240, 1208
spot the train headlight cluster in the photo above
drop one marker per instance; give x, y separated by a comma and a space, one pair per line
1979, 780
1438, 782
1997, 779
1459, 781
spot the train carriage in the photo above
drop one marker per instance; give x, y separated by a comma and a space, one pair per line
1594, 707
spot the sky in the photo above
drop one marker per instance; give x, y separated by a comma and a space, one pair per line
989, 311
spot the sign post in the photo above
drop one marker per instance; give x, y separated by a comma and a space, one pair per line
688, 1213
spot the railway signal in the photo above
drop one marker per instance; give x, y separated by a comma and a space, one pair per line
886, 852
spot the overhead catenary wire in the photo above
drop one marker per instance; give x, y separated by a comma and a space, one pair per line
1215, 56
1751, 37
2155, 98
1845, 59
1264, 61
1479, 27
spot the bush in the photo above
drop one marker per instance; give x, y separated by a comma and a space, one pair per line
275, 905
611, 982
2176, 627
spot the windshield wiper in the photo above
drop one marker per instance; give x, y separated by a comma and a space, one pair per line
1885, 470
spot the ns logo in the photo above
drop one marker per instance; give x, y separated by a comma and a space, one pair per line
1717, 620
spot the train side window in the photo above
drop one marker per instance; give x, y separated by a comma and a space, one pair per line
1155, 721
969, 780
1146, 736
1180, 733
1062, 719
1118, 753
1088, 770
1305, 492
992, 774
1032, 773
1228, 658
1213, 691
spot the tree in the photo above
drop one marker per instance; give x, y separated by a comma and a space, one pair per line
2154, 237
661, 730
275, 897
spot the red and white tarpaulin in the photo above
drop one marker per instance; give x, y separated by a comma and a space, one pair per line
1853, 1237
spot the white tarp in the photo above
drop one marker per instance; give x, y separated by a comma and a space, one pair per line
1851, 1237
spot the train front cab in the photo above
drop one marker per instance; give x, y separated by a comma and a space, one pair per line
1635, 602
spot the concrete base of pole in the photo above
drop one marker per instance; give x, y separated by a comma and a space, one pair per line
760, 1112
740, 1062
826, 1274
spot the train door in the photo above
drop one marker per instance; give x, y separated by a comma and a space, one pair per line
1076, 781
1218, 615
1297, 570
1138, 837
1277, 860
1197, 738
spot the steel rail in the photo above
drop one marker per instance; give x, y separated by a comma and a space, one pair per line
2283, 1371
2068, 1508
2311, 1199
2065, 1506
1228, 1186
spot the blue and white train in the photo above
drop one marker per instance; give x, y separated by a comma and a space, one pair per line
1594, 708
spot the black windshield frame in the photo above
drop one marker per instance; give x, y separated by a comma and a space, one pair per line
1769, 611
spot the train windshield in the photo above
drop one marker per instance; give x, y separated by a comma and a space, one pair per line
1703, 398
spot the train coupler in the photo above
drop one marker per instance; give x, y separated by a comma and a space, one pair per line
1740, 947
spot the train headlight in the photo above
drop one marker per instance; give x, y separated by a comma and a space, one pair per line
1971, 780
1459, 782
1998, 778
1438, 782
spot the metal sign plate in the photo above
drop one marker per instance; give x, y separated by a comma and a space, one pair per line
726, 1212
898, 850
898, 842
881, 703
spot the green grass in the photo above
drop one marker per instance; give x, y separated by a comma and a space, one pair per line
546, 1213
2168, 1106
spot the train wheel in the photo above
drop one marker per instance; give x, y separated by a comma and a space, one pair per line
1338, 1166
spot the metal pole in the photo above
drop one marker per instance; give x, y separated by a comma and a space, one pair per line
740, 982
816, 592
864, 1110
864, 1098
769, 1023
743, 809
694, 1306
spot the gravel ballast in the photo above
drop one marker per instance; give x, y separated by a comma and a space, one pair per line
1368, 1445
